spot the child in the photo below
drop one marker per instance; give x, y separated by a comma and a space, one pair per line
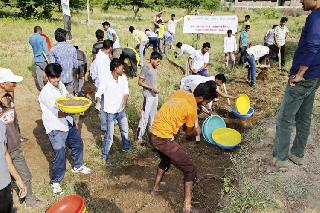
60, 129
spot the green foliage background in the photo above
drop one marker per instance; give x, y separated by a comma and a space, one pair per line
44, 8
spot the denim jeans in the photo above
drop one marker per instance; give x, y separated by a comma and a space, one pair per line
122, 120
59, 140
296, 107
252, 69
141, 49
154, 42
203, 72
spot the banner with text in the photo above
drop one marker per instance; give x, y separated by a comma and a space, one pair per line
210, 24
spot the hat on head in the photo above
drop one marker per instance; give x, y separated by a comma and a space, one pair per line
6, 75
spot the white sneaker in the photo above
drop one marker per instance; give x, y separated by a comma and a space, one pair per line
82, 169
56, 188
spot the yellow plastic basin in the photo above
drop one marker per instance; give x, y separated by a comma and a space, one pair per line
226, 138
243, 104
73, 109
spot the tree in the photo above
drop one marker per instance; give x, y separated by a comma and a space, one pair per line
212, 5
189, 5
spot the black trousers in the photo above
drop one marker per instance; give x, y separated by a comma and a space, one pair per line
6, 202
283, 57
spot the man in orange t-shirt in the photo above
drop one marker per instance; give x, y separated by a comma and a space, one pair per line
179, 110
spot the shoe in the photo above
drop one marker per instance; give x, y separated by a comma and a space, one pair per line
34, 202
82, 169
56, 188
296, 160
282, 165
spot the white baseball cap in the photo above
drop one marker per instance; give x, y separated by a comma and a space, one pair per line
6, 75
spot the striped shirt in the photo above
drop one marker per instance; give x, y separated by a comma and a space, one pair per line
280, 35
66, 55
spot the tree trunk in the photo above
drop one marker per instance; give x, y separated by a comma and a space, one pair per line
135, 10
88, 12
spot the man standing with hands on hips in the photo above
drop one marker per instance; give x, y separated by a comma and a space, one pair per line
297, 103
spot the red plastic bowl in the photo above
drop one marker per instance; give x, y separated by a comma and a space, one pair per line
69, 204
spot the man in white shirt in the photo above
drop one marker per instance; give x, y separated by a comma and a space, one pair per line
269, 36
254, 53
66, 17
199, 60
280, 35
100, 72
230, 47
116, 93
112, 35
172, 23
185, 48
60, 129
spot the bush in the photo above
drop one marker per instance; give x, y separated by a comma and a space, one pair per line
268, 13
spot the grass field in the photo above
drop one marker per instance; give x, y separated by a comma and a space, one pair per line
109, 195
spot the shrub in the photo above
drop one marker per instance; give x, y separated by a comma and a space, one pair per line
268, 13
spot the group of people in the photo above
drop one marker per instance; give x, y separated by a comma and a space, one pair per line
58, 69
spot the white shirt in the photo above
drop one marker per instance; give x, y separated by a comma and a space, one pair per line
65, 7
190, 82
258, 51
198, 59
269, 37
185, 48
47, 100
230, 44
111, 31
114, 92
280, 35
100, 68
172, 25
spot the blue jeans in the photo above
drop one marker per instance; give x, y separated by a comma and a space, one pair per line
252, 69
154, 42
203, 72
296, 109
141, 49
59, 140
122, 120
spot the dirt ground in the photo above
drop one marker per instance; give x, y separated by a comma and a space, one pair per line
298, 189
125, 186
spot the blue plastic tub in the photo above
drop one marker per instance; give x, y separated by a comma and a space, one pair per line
237, 114
209, 125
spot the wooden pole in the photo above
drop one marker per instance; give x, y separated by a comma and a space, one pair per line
225, 90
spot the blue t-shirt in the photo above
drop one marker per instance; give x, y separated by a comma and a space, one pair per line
308, 50
39, 47
244, 38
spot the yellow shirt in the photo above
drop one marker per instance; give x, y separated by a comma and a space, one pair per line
160, 31
179, 109
139, 36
